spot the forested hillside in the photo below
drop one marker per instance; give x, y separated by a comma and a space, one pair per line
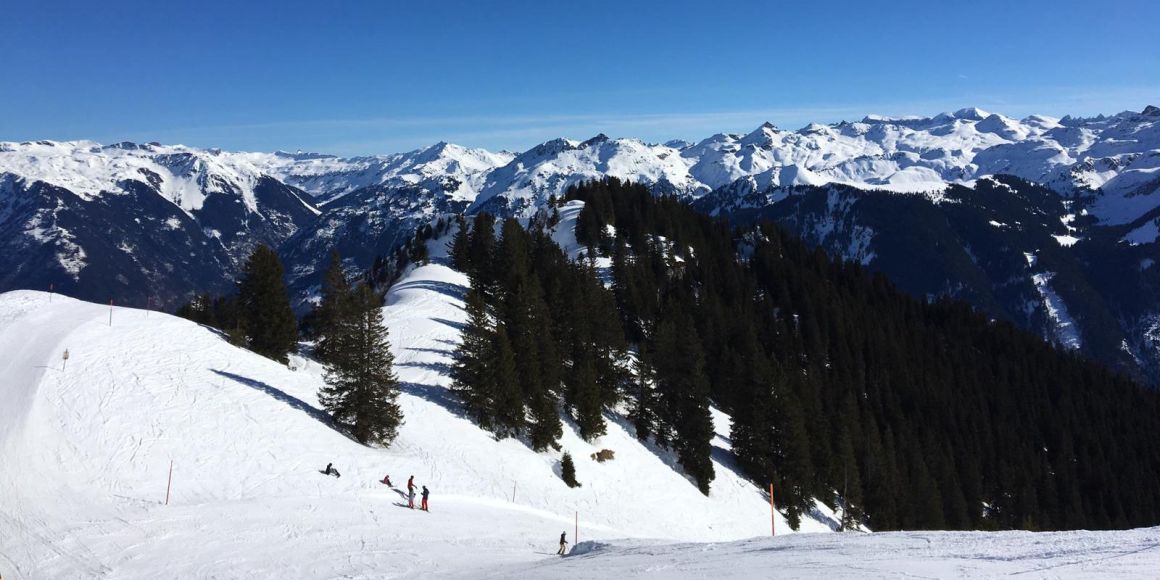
917, 415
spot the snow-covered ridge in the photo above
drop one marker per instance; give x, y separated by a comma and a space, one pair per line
1118, 155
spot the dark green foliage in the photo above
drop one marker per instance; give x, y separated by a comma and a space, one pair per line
568, 470
558, 322
503, 382
219, 312
333, 309
480, 253
683, 394
264, 306
361, 388
909, 414
470, 372
460, 244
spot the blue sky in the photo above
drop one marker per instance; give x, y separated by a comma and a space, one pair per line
377, 77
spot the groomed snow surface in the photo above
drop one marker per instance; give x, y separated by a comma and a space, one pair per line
86, 446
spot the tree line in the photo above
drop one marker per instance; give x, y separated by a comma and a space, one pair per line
541, 337
901, 413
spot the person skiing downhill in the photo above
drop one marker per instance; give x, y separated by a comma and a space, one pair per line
423, 506
563, 542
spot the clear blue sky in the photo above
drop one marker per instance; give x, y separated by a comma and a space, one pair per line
376, 77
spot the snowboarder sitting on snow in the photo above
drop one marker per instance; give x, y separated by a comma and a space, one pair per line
330, 470
387, 481
424, 505
563, 542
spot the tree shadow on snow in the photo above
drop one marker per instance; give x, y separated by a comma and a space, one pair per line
458, 326
441, 396
455, 291
431, 350
295, 402
441, 368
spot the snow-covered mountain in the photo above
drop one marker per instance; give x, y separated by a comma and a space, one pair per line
147, 222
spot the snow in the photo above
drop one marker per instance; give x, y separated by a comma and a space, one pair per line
93, 441
1065, 331
1112, 160
1128, 554
1065, 240
1145, 234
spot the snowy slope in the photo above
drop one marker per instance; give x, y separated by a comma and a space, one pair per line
85, 451
1122, 555
93, 441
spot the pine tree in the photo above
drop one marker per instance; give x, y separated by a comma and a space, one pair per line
643, 410
361, 389
503, 382
586, 398
545, 428
470, 372
684, 394
568, 470
460, 245
267, 318
481, 252
332, 311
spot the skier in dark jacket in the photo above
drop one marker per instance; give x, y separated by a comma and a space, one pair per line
423, 506
563, 542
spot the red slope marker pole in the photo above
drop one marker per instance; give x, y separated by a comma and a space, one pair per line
169, 485
772, 512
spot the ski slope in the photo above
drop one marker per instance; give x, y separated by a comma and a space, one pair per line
1072, 555
85, 451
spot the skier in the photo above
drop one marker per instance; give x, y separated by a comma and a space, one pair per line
387, 480
424, 504
563, 542
330, 470
411, 484
411, 498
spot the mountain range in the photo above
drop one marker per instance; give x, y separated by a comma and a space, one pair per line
1048, 222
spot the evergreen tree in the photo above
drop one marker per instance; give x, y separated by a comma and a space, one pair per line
568, 470
503, 382
684, 394
459, 248
361, 389
267, 318
481, 253
471, 373
331, 313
